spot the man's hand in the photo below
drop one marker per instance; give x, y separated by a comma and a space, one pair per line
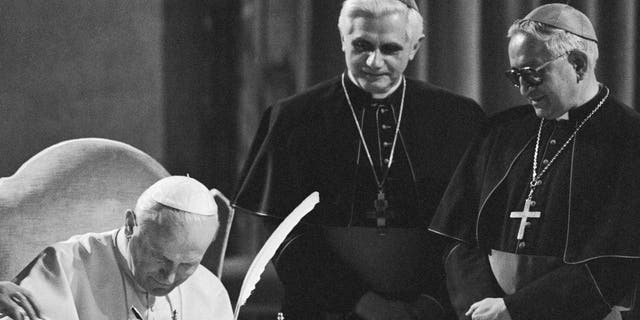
16, 301
489, 309
375, 307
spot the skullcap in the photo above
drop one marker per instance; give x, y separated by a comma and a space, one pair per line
565, 17
183, 193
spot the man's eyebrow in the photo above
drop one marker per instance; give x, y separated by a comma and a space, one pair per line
360, 39
393, 47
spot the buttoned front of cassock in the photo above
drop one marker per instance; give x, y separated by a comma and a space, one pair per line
554, 182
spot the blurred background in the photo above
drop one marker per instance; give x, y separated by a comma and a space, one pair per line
186, 80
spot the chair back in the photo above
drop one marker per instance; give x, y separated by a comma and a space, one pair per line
73, 187
214, 257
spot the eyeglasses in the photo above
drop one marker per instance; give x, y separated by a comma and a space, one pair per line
411, 4
532, 76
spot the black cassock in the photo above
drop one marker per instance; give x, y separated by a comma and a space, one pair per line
578, 257
310, 142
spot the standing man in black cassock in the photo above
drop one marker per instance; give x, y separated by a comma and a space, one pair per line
544, 205
380, 149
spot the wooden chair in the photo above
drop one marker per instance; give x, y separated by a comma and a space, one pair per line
74, 187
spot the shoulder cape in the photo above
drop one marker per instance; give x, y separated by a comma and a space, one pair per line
604, 198
308, 143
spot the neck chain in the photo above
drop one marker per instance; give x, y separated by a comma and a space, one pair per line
379, 181
380, 204
536, 177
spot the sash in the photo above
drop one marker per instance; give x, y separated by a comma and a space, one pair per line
514, 271
394, 263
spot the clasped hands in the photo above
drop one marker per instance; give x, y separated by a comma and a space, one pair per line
488, 309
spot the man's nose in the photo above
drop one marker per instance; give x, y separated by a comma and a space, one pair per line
374, 60
525, 87
169, 274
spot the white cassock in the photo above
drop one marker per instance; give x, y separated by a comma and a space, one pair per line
87, 278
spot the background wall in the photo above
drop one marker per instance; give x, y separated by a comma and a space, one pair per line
79, 69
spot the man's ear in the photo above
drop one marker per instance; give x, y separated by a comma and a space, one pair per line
129, 222
580, 62
415, 47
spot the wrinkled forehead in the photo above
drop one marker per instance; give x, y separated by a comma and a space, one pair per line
176, 251
527, 51
179, 242
168, 225
392, 26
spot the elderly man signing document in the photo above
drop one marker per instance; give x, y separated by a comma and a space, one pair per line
148, 269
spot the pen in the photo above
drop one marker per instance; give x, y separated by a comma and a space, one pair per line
136, 313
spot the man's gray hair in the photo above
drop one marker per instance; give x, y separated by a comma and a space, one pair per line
556, 40
378, 8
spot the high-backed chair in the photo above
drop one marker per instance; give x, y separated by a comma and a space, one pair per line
73, 187
214, 257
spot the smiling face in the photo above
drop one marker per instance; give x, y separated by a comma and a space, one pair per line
377, 51
165, 252
559, 90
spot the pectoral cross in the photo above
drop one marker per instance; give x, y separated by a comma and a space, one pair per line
524, 215
381, 205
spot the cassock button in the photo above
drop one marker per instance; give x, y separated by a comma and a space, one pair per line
522, 245
386, 161
552, 141
384, 109
533, 203
528, 224
387, 144
386, 126
545, 161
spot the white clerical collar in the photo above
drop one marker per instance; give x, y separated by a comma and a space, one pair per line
565, 116
376, 95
